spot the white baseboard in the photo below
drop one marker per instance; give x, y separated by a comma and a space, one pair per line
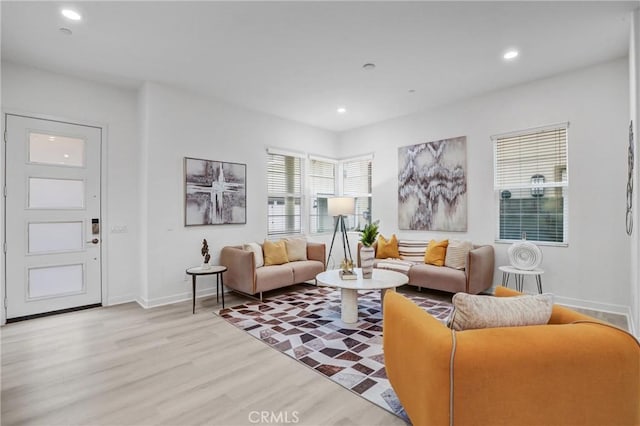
589, 304
118, 300
571, 302
175, 298
599, 306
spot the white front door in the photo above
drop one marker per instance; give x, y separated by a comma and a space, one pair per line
52, 174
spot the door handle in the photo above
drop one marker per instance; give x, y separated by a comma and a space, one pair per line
94, 241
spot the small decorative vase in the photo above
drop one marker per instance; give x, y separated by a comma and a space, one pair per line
367, 255
524, 255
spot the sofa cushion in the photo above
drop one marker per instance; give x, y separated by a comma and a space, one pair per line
274, 253
387, 248
274, 276
475, 311
457, 252
296, 249
438, 278
306, 270
412, 250
436, 252
257, 252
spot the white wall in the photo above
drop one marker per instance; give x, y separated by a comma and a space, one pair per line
594, 269
634, 103
31, 91
150, 132
178, 124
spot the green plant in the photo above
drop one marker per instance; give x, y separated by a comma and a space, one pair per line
369, 233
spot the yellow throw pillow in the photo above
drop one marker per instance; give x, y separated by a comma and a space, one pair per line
274, 253
387, 248
436, 252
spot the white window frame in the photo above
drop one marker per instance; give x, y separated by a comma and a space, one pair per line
312, 195
564, 185
351, 222
302, 158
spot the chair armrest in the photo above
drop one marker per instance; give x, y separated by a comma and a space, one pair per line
417, 355
479, 269
317, 251
583, 373
241, 269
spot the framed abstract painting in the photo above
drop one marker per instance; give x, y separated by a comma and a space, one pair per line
215, 192
432, 186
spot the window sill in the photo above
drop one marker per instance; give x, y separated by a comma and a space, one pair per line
538, 243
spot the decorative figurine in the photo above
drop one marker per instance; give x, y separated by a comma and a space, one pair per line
205, 252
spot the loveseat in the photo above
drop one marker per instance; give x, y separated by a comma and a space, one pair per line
574, 370
242, 274
474, 278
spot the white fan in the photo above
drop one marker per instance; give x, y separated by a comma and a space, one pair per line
524, 255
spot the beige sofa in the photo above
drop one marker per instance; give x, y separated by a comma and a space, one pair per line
243, 276
476, 277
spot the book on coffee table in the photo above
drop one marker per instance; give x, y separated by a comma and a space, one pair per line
346, 275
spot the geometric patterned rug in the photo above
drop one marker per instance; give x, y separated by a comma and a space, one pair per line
306, 326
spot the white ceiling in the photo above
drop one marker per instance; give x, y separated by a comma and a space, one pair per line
301, 60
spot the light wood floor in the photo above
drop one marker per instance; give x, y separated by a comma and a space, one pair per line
124, 365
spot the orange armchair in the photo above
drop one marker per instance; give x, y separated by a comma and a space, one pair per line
573, 371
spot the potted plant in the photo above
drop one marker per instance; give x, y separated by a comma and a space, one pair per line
368, 236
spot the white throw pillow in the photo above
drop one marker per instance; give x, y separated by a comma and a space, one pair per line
296, 249
257, 252
457, 252
475, 311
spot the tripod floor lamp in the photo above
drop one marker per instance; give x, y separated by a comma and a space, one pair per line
341, 207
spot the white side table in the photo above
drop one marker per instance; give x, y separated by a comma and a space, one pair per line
212, 270
519, 275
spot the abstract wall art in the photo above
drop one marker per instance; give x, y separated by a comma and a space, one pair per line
215, 192
432, 186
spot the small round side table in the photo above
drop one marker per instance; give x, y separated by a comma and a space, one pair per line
519, 275
216, 270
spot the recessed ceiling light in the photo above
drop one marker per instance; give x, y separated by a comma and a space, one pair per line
341, 110
369, 66
510, 54
412, 90
71, 14
66, 156
52, 138
65, 31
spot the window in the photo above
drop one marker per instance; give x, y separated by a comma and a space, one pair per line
322, 184
531, 184
291, 175
284, 187
356, 182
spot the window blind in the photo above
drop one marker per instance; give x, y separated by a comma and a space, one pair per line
520, 157
284, 186
322, 184
357, 177
356, 182
531, 183
284, 175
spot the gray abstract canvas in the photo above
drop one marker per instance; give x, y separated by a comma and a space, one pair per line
215, 192
432, 186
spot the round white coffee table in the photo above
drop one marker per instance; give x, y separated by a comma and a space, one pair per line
381, 279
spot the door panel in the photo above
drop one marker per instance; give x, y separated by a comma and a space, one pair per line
53, 258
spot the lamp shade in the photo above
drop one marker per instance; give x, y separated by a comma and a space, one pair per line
341, 206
